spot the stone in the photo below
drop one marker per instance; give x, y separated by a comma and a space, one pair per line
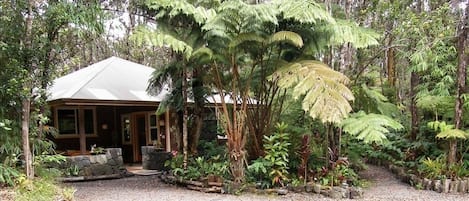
282, 191
453, 187
462, 188
111, 162
445, 185
436, 186
427, 184
356, 192
317, 188
338, 193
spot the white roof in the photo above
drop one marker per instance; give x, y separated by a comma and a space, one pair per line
110, 79
113, 79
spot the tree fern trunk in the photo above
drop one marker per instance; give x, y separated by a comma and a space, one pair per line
463, 58
414, 82
184, 116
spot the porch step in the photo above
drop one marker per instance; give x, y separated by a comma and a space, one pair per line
142, 172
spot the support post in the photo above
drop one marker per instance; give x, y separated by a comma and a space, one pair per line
81, 128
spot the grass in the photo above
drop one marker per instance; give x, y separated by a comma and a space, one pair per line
43, 189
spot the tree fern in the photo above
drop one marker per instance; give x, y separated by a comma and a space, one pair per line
370, 127
325, 95
177, 7
303, 11
447, 131
287, 36
345, 31
160, 39
371, 100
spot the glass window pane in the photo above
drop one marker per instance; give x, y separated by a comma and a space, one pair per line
89, 121
154, 134
126, 135
66, 121
152, 120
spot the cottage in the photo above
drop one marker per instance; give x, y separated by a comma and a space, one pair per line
107, 104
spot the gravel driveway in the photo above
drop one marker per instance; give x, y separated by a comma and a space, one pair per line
384, 187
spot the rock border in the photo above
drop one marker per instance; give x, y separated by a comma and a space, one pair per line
228, 187
456, 186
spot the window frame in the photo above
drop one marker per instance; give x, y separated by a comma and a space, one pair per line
77, 122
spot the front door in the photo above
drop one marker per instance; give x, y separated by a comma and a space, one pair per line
140, 139
142, 129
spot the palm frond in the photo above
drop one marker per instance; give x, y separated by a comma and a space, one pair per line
303, 11
326, 96
287, 36
370, 127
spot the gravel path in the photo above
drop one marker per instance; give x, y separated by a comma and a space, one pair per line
384, 187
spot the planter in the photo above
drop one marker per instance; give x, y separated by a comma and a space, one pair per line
154, 159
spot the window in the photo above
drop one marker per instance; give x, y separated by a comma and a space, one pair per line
126, 130
67, 121
157, 130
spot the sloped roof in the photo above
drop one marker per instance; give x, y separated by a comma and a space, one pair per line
111, 79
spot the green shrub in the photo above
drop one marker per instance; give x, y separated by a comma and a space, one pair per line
42, 189
8, 175
432, 169
274, 165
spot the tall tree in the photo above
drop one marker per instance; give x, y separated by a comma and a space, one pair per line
33, 52
463, 61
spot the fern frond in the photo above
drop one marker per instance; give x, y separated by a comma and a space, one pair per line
177, 7
287, 36
345, 31
201, 52
245, 37
155, 38
453, 134
303, 11
370, 127
326, 96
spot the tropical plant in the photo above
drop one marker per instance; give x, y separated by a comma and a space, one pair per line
433, 169
371, 128
276, 152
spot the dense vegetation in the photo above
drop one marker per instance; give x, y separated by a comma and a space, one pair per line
322, 86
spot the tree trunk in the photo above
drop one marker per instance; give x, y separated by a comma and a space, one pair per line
414, 82
196, 131
463, 58
26, 103
25, 120
199, 104
184, 116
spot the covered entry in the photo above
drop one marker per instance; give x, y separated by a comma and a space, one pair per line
106, 104
144, 129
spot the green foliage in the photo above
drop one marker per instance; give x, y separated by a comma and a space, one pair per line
326, 94
276, 152
258, 172
433, 169
371, 128
346, 31
273, 167
8, 175
198, 167
371, 100
42, 189
447, 131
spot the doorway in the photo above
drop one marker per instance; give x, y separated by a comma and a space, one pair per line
142, 129
140, 138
